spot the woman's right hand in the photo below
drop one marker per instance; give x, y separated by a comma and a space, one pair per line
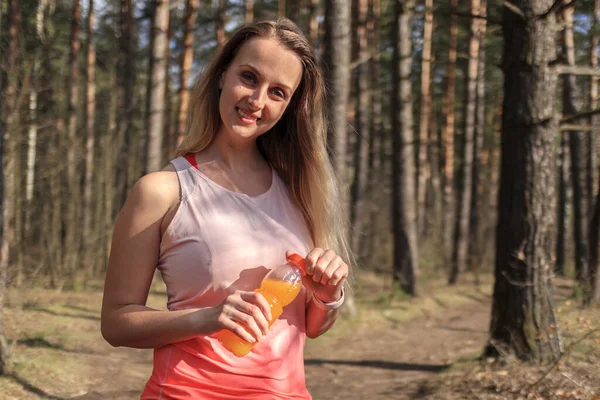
247, 314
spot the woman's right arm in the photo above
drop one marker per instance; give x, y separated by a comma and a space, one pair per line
126, 320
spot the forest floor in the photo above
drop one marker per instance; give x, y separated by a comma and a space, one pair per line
395, 348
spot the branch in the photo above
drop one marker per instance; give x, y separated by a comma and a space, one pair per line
514, 9
576, 70
557, 7
576, 128
567, 351
574, 117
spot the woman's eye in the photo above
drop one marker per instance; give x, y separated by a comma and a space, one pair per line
249, 77
279, 93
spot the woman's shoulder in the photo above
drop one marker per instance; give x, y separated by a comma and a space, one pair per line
158, 189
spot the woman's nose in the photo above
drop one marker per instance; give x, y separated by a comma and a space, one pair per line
257, 99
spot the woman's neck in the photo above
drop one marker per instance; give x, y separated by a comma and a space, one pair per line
233, 156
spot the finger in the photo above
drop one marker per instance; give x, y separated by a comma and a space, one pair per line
333, 266
338, 279
226, 321
324, 260
311, 259
248, 322
261, 308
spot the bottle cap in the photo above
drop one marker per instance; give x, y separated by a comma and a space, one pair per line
298, 261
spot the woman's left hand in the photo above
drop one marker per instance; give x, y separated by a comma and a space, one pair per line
326, 274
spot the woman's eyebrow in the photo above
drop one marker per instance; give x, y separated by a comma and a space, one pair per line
283, 85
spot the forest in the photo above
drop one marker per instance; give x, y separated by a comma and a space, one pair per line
464, 135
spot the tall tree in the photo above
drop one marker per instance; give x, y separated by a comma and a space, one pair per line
423, 167
187, 57
475, 250
90, 119
592, 137
594, 228
73, 234
313, 23
561, 214
220, 21
448, 130
8, 155
576, 140
463, 207
405, 267
160, 26
125, 84
337, 60
359, 212
523, 320
249, 11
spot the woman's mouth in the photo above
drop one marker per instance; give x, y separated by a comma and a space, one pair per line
246, 117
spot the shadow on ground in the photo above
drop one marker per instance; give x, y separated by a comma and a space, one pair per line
381, 364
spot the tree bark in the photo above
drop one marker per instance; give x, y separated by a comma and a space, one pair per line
359, 212
8, 156
448, 132
73, 233
423, 168
337, 59
160, 23
90, 145
313, 23
463, 210
220, 22
405, 267
125, 72
187, 58
576, 140
249, 11
475, 249
593, 134
594, 228
523, 322
562, 219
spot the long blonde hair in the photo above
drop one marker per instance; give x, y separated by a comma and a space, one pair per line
296, 146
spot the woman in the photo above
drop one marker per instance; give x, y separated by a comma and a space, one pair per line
252, 184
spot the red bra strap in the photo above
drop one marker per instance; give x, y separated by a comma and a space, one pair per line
191, 158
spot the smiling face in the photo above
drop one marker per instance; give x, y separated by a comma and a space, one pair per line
257, 87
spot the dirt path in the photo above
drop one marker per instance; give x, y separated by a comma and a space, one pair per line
391, 361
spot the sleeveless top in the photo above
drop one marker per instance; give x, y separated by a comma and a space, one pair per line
220, 241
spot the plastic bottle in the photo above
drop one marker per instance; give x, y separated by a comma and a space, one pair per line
279, 287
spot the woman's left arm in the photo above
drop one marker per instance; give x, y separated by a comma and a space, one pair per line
326, 274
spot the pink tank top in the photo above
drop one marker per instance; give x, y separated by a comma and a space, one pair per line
220, 241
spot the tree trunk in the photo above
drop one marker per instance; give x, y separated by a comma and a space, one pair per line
576, 140
249, 10
168, 132
359, 212
403, 197
562, 220
337, 60
187, 58
463, 210
73, 233
475, 250
158, 84
448, 132
593, 134
594, 228
423, 168
125, 72
313, 23
374, 193
219, 21
8, 157
523, 320
90, 146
